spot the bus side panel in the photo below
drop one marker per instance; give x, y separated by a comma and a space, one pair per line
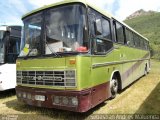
134, 69
130, 54
100, 78
130, 63
7, 76
94, 79
83, 66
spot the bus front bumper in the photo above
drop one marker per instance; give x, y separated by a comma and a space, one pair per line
77, 101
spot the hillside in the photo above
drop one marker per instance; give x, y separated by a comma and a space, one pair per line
140, 13
148, 26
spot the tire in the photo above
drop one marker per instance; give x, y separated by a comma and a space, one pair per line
114, 87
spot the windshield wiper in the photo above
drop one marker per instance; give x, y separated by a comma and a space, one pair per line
52, 51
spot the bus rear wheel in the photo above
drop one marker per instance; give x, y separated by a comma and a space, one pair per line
114, 87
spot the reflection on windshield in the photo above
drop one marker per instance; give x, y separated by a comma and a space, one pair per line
31, 37
64, 27
63, 31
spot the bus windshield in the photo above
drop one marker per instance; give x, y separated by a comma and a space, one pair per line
61, 31
31, 36
1, 47
9, 46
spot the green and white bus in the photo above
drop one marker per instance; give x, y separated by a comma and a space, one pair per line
74, 56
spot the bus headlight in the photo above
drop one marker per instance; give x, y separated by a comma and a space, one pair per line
65, 100
74, 101
56, 99
29, 96
19, 95
70, 74
24, 95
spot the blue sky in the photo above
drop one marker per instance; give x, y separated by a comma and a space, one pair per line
11, 11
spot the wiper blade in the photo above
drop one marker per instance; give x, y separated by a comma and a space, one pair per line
52, 51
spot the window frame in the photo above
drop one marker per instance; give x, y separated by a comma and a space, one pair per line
115, 22
99, 37
109, 21
131, 40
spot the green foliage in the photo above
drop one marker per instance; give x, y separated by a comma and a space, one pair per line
148, 26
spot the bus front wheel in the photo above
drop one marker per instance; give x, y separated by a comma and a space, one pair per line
114, 87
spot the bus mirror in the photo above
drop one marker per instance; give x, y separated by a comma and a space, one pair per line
98, 27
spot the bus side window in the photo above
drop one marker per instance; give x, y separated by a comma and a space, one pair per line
114, 32
93, 16
137, 41
129, 38
120, 33
91, 26
141, 43
146, 45
103, 46
106, 29
103, 42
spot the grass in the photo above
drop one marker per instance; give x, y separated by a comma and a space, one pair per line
142, 97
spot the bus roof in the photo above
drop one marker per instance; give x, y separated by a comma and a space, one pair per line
86, 4
3, 28
67, 2
7, 27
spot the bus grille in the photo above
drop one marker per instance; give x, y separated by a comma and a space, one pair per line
47, 78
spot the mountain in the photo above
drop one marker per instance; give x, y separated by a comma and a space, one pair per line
149, 26
140, 13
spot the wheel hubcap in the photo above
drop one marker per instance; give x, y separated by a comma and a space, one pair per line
114, 86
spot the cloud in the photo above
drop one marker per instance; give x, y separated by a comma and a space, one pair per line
107, 5
18, 5
12, 10
119, 8
104, 4
40, 3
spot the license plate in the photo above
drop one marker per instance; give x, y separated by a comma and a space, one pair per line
40, 97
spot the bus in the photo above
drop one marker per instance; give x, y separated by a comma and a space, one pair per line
74, 56
10, 38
